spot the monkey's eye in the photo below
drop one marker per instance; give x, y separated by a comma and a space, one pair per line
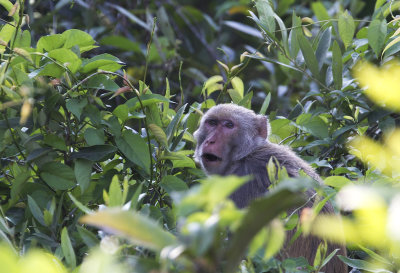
212, 122
229, 124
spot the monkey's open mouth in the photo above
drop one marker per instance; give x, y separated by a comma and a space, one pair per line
211, 157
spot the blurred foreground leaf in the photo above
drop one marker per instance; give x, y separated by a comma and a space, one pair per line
381, 83
260, 213
132, 225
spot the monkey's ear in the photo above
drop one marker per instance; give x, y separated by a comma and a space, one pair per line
263, 126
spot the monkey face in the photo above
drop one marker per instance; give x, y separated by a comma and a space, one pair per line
228, 133
213, 148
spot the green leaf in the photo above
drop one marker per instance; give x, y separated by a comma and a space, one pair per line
323, 46
146, 232
337, 181
181, 160
275, 238
309, 56
329, 257
320, 11
67, 58
49, 69
135, 149
55, 141
115, 193
235, 95
246, 29
121, 42
6, 33
18, 184
94, 136
83, 171
122, 112
135, 198
8, 5
393, 42
215, 87
313, 125
146, 99
255, 219
246, 101
337, 66
171, 183
283, 31
76, 106
105, 62
379, 3
58, 176
346, 28
254, 56
131, 17
321, 251
238, 85
212, 85
75, 37
377, 32
259, 241
37, 153
265, 104
48, 217
95, 152
159, 134
36, 211
173, 125
82, 207
165, 25
101, 81
67, 249
296, 31
50, 42
212, 191
266, 14
24, 39
363, 265
87, 237
375, 256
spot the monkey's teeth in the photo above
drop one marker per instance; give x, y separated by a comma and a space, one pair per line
211, 157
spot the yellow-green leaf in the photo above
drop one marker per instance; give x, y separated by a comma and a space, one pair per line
159, 134
346, 28
389, 45
238, 85
134, 226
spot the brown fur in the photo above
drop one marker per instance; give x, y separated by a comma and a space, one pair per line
245, 150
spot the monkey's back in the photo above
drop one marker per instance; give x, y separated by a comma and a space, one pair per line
255, 165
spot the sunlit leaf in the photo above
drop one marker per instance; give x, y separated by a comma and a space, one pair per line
134, 226
256, 218
346, 28
381, 83
238, 85
384, 158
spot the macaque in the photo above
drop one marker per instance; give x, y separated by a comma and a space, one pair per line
232, 140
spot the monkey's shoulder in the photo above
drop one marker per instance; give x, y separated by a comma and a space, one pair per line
284, 155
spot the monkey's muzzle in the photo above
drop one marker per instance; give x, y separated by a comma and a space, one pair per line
211, 157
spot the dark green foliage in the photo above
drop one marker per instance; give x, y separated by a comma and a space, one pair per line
102, 114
